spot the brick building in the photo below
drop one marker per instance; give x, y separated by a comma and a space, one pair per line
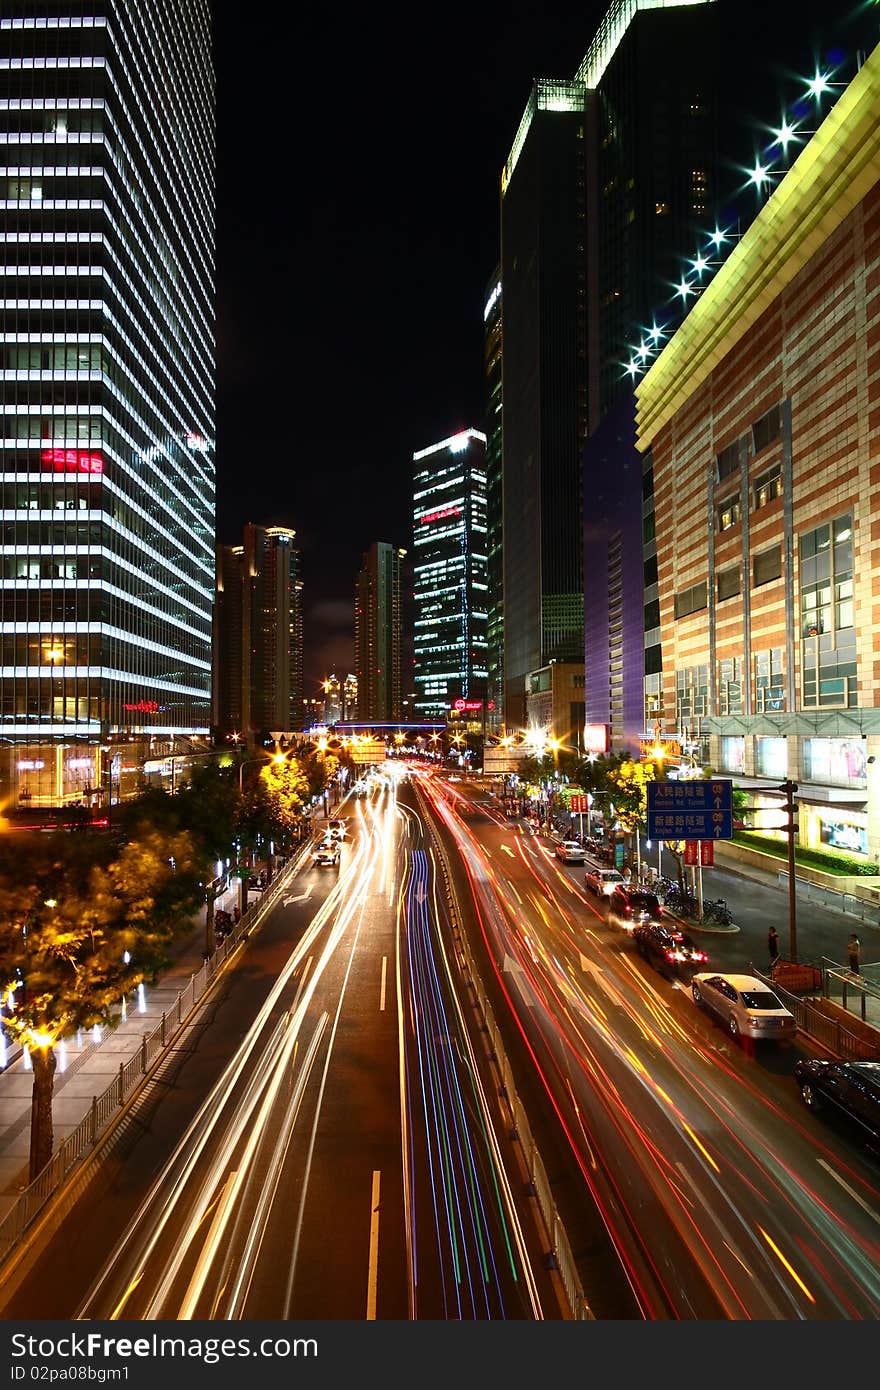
759, 424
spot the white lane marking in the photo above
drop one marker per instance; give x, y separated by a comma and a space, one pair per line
382, 990
373, 1276
845, 1185
508, 850
298, 898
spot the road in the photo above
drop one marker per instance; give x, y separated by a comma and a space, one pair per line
721, 1196
321, 1141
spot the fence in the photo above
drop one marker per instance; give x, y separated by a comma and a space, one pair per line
560, 1250
82, 1140
863, 908
828, 1031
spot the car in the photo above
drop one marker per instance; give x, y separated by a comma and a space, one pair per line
326, 853
850, 1090
336, 828
603, 881
631, 905
569, 851
672, 951
744, 1004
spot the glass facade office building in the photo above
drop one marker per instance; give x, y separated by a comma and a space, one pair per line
107, 347
450, 573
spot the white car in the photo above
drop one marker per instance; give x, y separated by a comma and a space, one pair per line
744, 1004
603, 881
326, 853
569, 851
336, 828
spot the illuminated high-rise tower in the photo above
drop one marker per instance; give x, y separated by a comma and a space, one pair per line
258, 634
377, 634
107, 347
449, 573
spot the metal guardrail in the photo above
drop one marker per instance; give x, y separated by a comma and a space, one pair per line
80, 1143
862, 908
560, 1250
827, 1031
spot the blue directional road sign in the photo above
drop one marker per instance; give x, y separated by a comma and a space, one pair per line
691, 810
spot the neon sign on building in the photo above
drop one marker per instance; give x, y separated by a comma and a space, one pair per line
440, 515
73, 460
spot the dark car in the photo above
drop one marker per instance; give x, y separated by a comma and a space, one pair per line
672, 951
847, 1089
631, 905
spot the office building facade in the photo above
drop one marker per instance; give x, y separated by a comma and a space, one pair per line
493, 350
759, 422
545, 386
258, 635
450, 585
377, 635
107, 348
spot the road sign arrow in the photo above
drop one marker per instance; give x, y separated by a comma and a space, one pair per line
297, 898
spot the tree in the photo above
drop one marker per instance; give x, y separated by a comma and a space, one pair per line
75, 940
628, 785
288, 789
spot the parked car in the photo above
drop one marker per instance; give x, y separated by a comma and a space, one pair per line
744, 1004
569, 851
671, 951
336, 828
326, 853
847, 1089
602, 881
631, 905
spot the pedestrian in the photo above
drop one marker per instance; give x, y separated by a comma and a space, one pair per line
853, 947
773, 947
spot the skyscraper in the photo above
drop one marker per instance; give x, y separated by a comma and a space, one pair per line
493, 343
107, 347
449, 573
545, 403
258, 634
377, 644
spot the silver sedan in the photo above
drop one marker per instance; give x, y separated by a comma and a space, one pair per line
744, 1004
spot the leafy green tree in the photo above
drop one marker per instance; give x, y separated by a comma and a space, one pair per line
75, 940
288, 790
628, 784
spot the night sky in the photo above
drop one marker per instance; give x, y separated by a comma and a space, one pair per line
357, 222
359, 158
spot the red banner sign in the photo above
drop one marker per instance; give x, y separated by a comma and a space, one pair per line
580, 805
692, 851
707, 852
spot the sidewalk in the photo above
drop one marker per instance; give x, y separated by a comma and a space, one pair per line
88, 1063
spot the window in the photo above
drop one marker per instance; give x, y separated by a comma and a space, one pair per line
767, 429
729, 583
826, 579
767, 566
730, 678
768, 487
728, 460
650, 571
769, 690
727, 513
691, 600
691, 694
